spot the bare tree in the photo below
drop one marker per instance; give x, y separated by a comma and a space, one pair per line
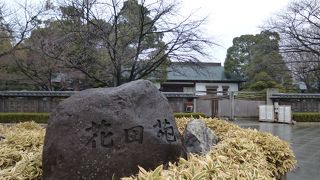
299, 29
17, 22
305, 67
39, 69
126, 40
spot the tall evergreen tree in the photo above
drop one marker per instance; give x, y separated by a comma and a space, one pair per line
252, 54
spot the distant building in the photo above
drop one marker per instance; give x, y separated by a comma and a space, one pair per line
188, 81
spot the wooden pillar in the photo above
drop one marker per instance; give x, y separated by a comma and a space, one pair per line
194, 104
231, 95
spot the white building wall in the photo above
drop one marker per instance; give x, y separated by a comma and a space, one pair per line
201, 87
188, 89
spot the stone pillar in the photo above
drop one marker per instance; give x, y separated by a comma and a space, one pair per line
270, 91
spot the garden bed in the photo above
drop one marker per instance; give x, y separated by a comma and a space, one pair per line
240, 154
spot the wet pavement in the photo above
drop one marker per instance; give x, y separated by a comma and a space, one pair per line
304, 139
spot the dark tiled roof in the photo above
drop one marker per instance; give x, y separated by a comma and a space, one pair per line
179, 95
197, 72
69, 93
295, 96
37, 93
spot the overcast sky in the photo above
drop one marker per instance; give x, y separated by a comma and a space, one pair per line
232, 18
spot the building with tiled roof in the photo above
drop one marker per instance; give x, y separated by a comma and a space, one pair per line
187, 81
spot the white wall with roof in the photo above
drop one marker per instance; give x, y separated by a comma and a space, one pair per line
201, 87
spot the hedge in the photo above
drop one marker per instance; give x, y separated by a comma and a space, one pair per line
15, 117
194, 115
306, 116
43, 117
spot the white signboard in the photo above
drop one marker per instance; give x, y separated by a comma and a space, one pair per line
266, 113
284, 114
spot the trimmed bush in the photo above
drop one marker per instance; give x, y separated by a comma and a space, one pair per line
188, 115
16, 117
306, 116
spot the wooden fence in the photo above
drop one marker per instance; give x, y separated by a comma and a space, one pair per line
46, 101
31, 101
242, 108
299, 102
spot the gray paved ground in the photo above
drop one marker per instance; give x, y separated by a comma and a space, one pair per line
305, 141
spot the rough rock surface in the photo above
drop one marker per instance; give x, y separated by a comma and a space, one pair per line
98, 133
198, 138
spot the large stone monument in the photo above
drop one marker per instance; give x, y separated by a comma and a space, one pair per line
105, 132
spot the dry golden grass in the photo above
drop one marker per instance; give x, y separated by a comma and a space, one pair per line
240, 154
21, 151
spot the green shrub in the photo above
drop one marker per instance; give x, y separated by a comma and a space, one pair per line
306, 116
194, 115
15, 117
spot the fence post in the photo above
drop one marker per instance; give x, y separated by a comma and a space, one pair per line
3, 105
232, 104
194, 105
